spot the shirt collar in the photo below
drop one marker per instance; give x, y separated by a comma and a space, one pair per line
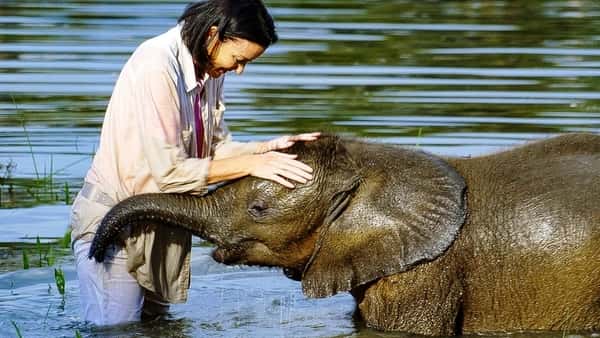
201, 82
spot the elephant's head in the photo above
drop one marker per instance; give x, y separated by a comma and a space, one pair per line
371, 210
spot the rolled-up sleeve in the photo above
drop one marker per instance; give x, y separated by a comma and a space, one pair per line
160, 131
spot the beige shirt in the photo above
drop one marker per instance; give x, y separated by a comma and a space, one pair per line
148, 144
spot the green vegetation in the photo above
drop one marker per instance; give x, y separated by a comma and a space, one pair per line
16, 329
65, 242
25, 259
43, 252
419, 135
67, 193
59, 278
24, 124
27, 192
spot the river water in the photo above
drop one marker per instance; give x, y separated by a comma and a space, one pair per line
454, 77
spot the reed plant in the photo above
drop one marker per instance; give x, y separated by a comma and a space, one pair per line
25, 256
419, 135
41, 189
27, 192
59, 279
45, 254
18, 331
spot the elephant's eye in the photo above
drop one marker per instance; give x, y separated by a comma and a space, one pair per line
258, 208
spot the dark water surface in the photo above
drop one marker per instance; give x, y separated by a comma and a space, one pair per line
455, 77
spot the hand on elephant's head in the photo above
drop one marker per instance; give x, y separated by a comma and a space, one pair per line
277, 226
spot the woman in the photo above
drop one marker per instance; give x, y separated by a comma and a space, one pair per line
164, 132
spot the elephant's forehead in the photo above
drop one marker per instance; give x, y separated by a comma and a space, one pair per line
266, 188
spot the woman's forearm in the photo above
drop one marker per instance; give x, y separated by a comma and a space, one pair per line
228, 169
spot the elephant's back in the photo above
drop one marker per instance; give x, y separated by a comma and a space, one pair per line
533, 233
540, 194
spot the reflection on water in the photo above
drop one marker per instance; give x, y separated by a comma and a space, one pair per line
456, 77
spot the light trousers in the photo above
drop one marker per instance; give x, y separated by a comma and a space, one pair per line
109, 295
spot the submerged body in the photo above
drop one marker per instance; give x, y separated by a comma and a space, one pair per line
439, 246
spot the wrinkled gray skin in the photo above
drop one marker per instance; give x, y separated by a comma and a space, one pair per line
504, 242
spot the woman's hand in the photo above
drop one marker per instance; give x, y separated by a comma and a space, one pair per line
280, 168
266, 163
286, 141
275, 166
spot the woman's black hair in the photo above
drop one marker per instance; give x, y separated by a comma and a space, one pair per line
244, 19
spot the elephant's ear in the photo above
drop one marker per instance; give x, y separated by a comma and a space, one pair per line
407, 210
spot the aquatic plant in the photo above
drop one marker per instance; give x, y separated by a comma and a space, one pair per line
26, 192
49, 257
59, 278
25, 259
67, 193
44, 254
38, 246
24, 124
419, 135
41, 189
19, 335
65, 242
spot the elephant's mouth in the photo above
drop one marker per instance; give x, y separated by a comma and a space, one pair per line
247, 252
293, 274
236, 254
228, 254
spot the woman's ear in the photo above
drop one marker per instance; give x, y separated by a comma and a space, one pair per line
212, 39
213, 32
405, 213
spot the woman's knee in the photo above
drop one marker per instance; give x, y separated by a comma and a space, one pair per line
109, 294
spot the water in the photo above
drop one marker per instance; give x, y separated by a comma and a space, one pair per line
456, 77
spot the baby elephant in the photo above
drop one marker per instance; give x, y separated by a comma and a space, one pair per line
428, 245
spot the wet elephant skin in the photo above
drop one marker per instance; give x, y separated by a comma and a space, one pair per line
509, 241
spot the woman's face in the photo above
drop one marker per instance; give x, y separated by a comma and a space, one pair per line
230, 55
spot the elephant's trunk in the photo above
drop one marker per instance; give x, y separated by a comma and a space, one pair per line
195, 214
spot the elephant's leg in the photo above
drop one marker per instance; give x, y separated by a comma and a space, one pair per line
425, 300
